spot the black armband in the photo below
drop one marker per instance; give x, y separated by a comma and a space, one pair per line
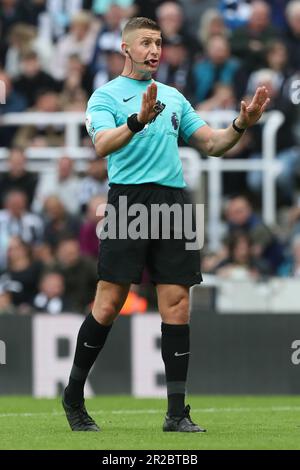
133, 124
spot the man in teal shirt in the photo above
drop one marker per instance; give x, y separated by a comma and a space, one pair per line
135, 122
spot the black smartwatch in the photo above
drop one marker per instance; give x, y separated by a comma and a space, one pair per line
133, 124
236, 128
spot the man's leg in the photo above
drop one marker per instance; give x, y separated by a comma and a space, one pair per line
173, 304
92, 336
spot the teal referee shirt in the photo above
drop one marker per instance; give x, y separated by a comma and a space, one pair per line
152, 155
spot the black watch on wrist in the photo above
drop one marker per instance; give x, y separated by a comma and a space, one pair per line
236, 128
133, 124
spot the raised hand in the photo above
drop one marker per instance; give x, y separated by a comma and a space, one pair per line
251, 113
148, 102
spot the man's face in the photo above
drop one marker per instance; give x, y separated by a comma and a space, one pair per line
238, 211
16, 203
65, 167
68, 252
145, 45
30, 67
218, 50
17, 163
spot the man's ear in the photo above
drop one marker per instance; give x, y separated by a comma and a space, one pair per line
125, 51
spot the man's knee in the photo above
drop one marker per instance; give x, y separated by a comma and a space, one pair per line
178, 313
106, 313
108, 302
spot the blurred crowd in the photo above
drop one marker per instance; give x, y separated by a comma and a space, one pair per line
55, 53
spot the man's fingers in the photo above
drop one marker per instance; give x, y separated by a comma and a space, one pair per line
263, 96
144, 108
243, 107
154, 91
260, 96
144, 101
265, 105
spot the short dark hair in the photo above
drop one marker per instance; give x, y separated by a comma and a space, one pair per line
140, 22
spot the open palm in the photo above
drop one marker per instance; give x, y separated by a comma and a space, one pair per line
251, 113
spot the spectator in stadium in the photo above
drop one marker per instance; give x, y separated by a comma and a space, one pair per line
79, 273
6, 304
45, 254
193, 12
43, 135
222, 98
50, 297
17, 176
63, 183
12, 102
73, 96
11, 13
176, 69
292, 36
80, 41
211, 24
20, 38
58, 222
74, 101
241, 263
33, 79
170, 17
114, 63
95, 183
277, 59
291, 266
89, 230
24, 38
58, 14
108, 38
240, 216
288, 154
147, 9
23, 272
218, 67
248, 42
78, 75
15, 220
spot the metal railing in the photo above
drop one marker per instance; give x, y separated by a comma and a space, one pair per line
40, 158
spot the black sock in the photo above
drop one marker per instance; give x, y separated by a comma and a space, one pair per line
91, 339
175, 348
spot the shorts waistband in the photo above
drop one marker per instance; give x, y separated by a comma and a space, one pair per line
153, 186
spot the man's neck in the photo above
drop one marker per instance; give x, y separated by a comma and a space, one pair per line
136, 75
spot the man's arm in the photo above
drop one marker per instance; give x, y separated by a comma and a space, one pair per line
110, 140
216, 142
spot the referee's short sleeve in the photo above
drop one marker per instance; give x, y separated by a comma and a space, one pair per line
190, 120
100, 113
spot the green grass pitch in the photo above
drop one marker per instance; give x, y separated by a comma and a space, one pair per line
129, 423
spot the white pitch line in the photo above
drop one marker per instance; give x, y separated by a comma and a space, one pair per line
156, 411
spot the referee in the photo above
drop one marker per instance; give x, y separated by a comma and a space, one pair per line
136, 122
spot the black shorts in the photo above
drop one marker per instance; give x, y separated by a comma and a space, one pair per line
122, 259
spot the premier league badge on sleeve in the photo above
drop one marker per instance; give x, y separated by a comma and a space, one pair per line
89, 126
